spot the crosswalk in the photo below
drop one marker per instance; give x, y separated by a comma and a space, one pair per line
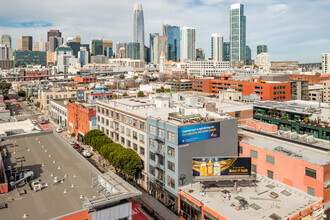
21, 116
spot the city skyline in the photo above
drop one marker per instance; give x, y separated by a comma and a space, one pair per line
284, 26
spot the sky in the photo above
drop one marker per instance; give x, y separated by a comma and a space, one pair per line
292, 29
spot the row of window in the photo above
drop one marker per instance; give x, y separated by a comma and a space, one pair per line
170, 180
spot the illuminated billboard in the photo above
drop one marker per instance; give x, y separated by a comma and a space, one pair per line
221, 166
199, 132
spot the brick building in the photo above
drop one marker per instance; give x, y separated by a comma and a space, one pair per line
316, 78
279, 91
43, 74
84, 79
80, 118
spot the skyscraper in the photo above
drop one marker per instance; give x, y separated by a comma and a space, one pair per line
53, 33
200, 54
138, 28
151, 45
160, 46
24, 43
262, 49
248, 56
132, 50
6, 39
237, 33
216, 47
107, 48
4, 52
54, 42
188, 41
173, 41
96, 47
226, 51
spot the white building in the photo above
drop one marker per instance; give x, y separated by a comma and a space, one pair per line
162, 62
188, 43
326, 91
326, 63
64, 62
262, 60
4, 52
216, 47
207, 67
160, 46
58, 111
39, 46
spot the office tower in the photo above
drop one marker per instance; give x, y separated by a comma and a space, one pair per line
138, 28
122, 52
262, 60
188, 41
160, 46
132, 50
162, 62
76, 38
39, 46
262, 49
326, 63
24, 43
25, 58
55, 42
19, 44
96, 47
173, 41
237, 33
151, 43
216, 47
107, 48
4, 52
200, 54
248, 58
53, 33
6, 39
118, 46
83, 56
226, 51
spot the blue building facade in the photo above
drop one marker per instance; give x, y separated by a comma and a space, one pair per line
173, 38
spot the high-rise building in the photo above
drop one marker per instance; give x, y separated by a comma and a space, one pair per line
326, 63
83, 56
39, 46
173, 41
138, 28
54, 42
200, 54
4, 52
151, 45
216, 47
237, 33
53, 33
24, 43
132, 50
107, 48
24, 58
226, 51
76, 38
262, 60
160, 46
96, 47
118, 46
262, 49
74, 43
6, 39
188, 41
248, 56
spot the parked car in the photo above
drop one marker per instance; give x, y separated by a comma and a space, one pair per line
86, 153
80, 149
34, 121
72, 143
59, 130
76, 146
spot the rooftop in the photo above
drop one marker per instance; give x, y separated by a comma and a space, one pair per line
299, 151
289, 202
17, 127
50, 158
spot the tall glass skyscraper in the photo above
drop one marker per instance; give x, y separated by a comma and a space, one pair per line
237, 33
248, 55
226, 51
173, 39
151, 45
262, 49
216, 47
132, 50
6, 39
96, 47
138, 28
188, 43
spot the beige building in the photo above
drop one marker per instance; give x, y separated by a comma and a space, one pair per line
315, 93
230, 95
51, 58
326, 91
79, 92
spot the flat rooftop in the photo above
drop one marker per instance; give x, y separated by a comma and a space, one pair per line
289, 202
301, 152
49, 156
18, 126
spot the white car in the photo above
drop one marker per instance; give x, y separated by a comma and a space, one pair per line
86, 153
59, 130
34, 122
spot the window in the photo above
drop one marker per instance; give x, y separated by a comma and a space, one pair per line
170, 182
128, 132
152, 129
253, 168
160, 132
135, 146
310, 172
152, 170
170, 136
171, 151
122, 140
152, 156
170, 166
254, 154
142, 151
270, 159
135, 136
122, 129
161, 147
240, 150
161, 160
310, 191
152, 142
270, 174
141, 136
142, 125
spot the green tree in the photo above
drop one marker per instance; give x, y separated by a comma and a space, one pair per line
5, 87
134, 163
162, 89
114, 96
125, 94
100, 141
158, 91
73, 135
21, 93
168, 90
91, 135
140, 94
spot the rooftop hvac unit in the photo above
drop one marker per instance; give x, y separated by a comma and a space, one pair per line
293, 135
310, 139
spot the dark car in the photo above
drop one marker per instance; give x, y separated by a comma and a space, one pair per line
80, 149
76, 146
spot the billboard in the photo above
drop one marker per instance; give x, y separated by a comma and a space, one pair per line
199, 132
221, 166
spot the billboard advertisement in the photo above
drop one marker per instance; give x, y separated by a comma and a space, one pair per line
221, 166
199, 132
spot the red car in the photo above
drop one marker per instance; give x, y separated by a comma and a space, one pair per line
76, 146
